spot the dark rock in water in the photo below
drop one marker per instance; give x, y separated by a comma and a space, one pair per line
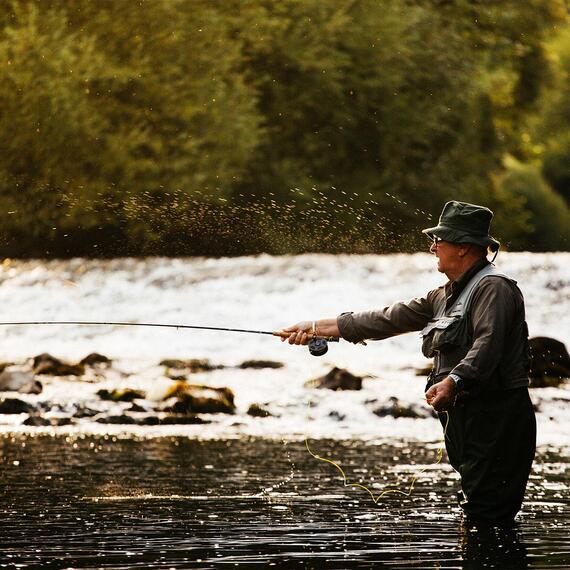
199, 399
48, 364
151, 420
398, 410
176, 376
120, 395
4, 365
182, 420
85, 413
261, 364
36, 421
425, 371
40, 421
95, 358
136, 408
173, 363
129, 419
62, 421
192, 364
258, 411
17, 380
549, 363
15, 406
337, 416
122, 419
175, 406
337, 379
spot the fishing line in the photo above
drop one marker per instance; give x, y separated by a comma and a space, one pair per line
317, 347
376, 498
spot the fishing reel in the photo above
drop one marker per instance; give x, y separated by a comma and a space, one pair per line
318, 346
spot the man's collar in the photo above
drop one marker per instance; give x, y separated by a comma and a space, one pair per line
453, 287
466, 276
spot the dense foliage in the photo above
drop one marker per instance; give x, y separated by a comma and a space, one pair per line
221, 127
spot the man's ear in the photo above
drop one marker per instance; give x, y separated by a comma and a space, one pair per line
463, 249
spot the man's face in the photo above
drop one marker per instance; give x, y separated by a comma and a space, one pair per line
447, 253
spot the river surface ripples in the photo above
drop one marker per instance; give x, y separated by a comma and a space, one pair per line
86, 502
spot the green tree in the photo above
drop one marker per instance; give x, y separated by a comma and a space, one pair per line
533, 216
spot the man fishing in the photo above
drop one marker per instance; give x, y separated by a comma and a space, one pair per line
474, 328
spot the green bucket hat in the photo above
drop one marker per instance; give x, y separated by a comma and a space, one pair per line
461, 222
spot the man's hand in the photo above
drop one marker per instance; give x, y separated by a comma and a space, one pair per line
300, 333
441, 396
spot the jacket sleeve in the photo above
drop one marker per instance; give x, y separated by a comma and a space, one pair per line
399, 318
493, 311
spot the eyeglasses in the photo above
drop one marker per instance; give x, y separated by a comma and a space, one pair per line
434, 240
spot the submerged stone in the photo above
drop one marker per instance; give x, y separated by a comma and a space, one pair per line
36, 420
337, 379
396, 409
336, 415
47, 364
425, 371
192, 364
83, 412
185, 419
95, 358
194, 398
258, 411
261, 364
15, 406
549, 363
122, 419
120, 395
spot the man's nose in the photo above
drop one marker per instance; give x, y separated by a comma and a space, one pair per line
433, 247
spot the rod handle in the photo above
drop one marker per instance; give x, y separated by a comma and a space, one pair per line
284, 334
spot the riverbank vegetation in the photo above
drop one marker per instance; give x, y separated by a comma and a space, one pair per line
168, 127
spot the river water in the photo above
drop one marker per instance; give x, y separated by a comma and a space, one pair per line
85, 502
241, 490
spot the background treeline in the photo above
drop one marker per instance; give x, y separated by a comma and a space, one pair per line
222, 127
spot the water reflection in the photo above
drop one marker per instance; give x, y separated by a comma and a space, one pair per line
492, 547
177, 503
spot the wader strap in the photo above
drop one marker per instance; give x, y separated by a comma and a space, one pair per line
459, 308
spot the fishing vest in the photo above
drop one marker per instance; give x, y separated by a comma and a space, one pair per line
448, 337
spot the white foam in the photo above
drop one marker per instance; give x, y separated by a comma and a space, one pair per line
261, 293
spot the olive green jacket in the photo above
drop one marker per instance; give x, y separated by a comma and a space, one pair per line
496, 354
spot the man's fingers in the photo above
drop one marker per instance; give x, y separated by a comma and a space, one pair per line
431, 394
298, 333
298, 337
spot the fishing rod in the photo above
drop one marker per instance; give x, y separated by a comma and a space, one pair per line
318, 345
